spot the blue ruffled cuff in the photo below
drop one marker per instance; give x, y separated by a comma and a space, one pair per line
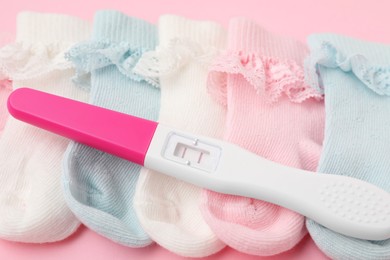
90, 56
370, 66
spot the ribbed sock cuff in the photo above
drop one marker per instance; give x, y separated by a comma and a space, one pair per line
48, 28
246, 35
118, 27
203, 32
374, 52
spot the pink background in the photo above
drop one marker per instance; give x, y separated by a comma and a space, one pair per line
363, 19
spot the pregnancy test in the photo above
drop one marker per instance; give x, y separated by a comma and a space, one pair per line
343, 204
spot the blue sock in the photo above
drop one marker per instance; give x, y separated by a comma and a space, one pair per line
355, 78
99, 187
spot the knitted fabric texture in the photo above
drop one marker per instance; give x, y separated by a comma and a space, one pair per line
5, 90
99, 187
270, 112
32, 206
355, 77
168, 208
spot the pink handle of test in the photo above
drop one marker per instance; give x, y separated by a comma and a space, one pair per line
120, 134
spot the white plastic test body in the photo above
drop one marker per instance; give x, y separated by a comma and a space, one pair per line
346, 205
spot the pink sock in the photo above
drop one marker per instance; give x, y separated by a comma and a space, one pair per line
5, 90
271, 112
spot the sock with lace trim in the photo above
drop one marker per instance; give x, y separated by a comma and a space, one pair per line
355, 77
168, 208
99, 187
270, 112
32, 206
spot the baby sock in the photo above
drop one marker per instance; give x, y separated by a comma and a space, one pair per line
168, 208
355, 77
5, 90
270, 112
99, 187
32, 207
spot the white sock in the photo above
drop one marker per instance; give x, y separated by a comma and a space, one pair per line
168, 209
32, 208
5, 90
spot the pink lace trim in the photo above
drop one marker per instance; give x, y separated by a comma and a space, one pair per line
267, 75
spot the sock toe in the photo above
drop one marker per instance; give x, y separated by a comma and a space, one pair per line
252, 226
